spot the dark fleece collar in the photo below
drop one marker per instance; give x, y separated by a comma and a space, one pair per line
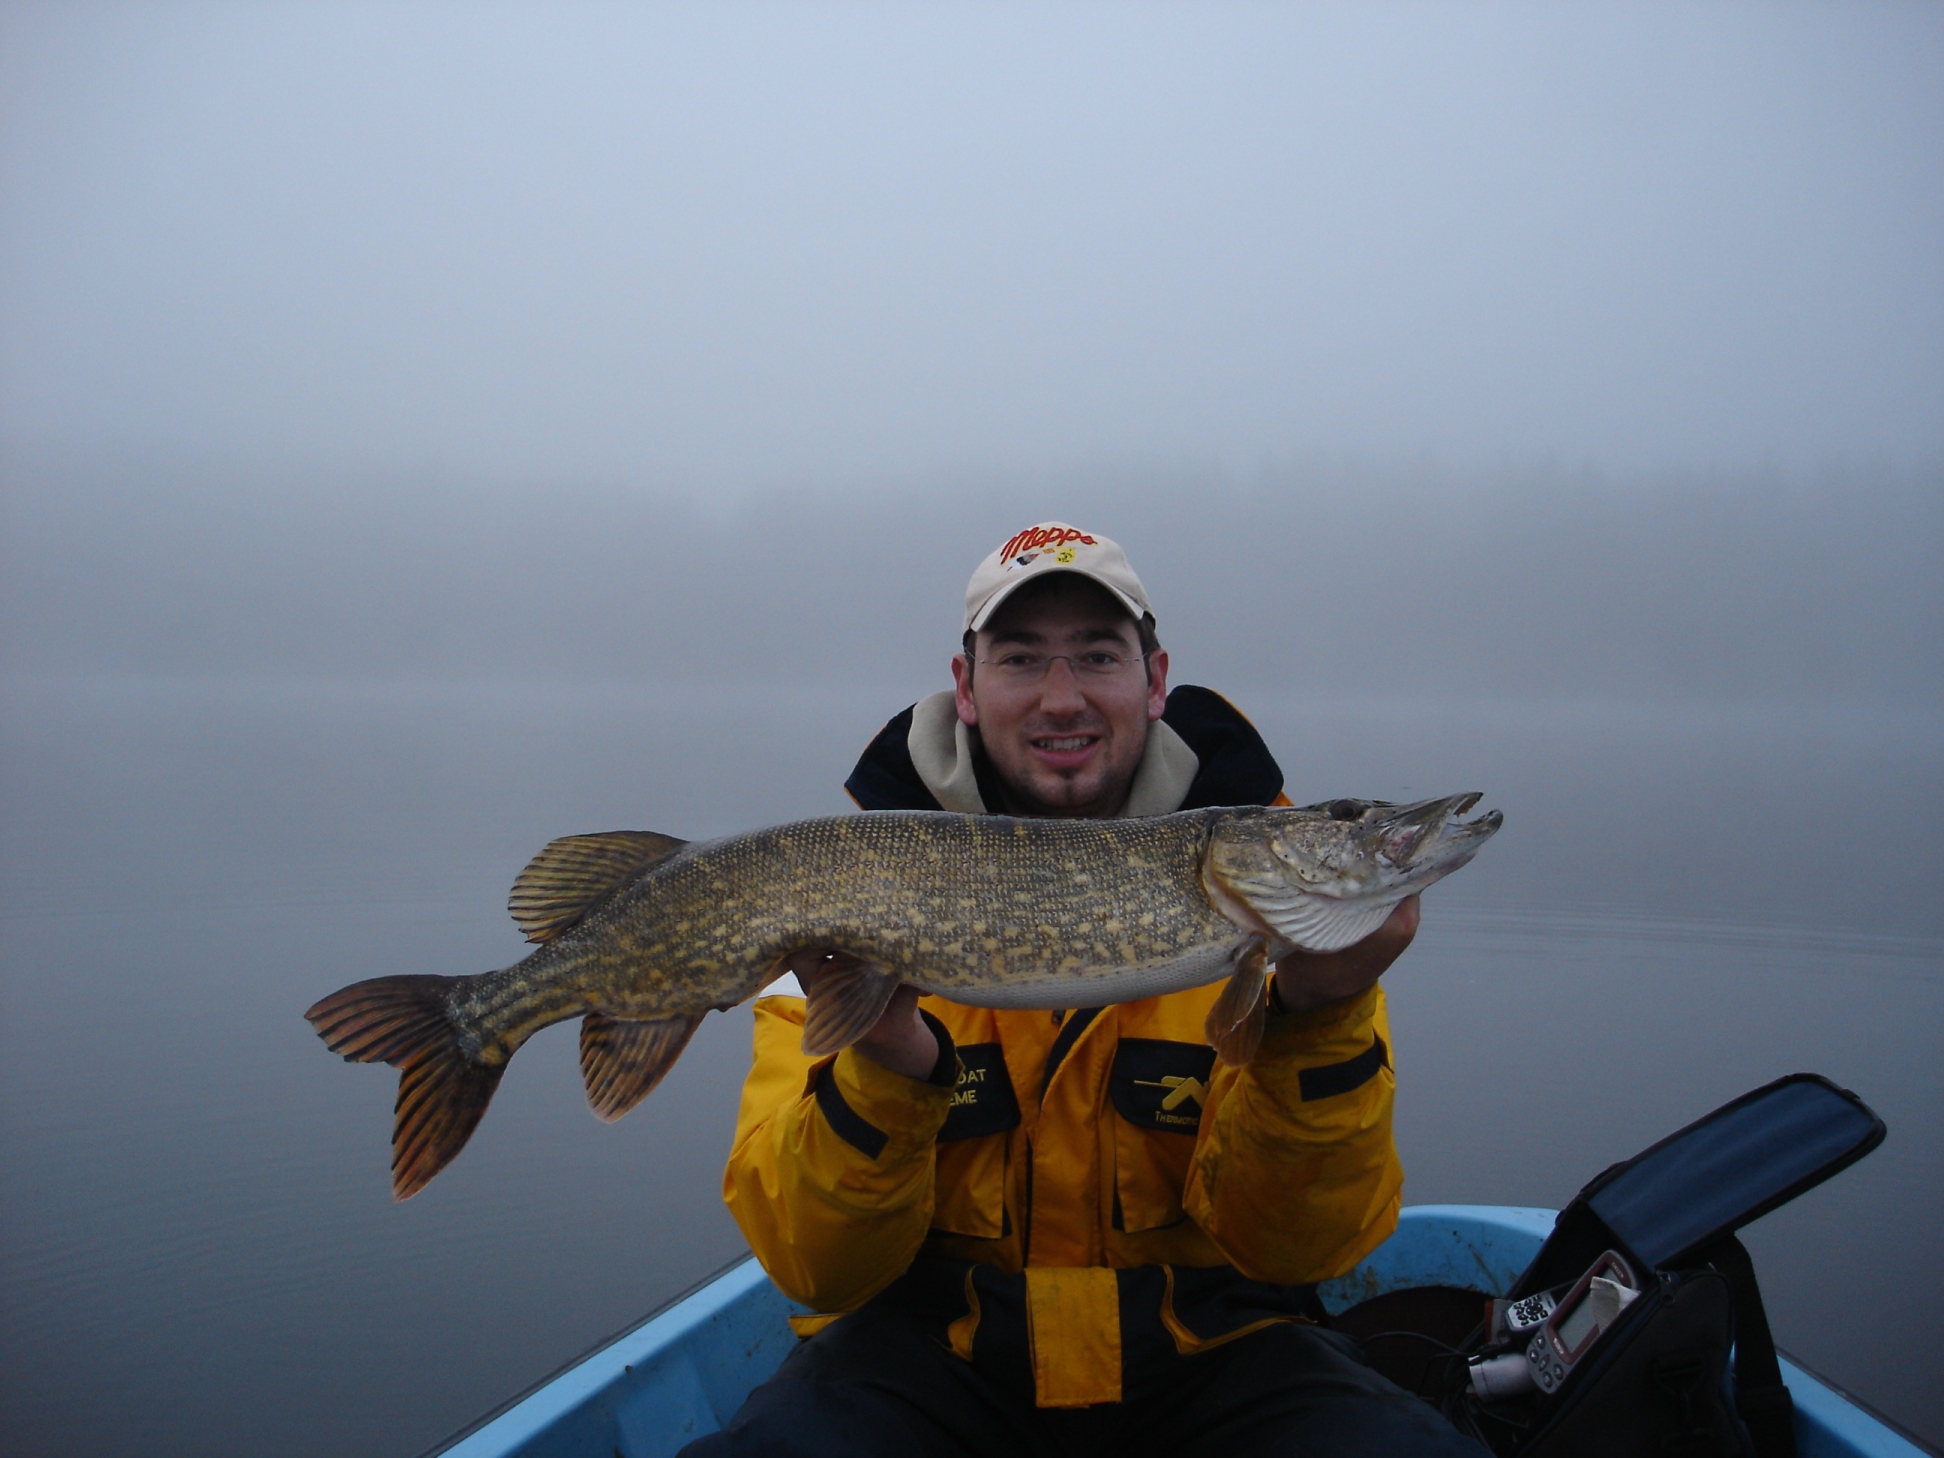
1236, 766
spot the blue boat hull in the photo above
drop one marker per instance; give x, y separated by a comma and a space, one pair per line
684, 1371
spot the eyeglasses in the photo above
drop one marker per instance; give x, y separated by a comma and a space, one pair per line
1025, 667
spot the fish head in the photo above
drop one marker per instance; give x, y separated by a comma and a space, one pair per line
1313, 876
1361, 847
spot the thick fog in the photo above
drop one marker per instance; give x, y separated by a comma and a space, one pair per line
1336, 581
1588, 353
1586, 350
692, 250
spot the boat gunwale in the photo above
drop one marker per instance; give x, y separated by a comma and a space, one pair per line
486, 1419
1831, 1422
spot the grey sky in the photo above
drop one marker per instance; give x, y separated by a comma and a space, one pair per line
696, 248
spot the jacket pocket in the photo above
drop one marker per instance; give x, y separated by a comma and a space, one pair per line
1158, 1089
970, 1187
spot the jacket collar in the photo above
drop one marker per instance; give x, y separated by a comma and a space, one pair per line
1201, 752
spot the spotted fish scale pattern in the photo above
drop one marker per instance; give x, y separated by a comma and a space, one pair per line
980, 909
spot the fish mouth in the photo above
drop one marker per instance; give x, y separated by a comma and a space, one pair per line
1428, 835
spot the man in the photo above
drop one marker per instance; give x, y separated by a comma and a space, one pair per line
1024, 1231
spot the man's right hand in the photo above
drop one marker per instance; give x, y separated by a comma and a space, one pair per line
899, 1040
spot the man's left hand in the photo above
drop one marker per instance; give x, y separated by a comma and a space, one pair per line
1309, 980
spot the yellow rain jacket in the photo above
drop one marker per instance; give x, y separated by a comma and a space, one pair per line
1097, 1174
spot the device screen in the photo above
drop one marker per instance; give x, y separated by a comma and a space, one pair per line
1580, 1323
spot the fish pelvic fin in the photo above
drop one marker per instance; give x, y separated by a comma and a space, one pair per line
842, 1004
622, 1061
1234, 1024
575, 874
442, 1093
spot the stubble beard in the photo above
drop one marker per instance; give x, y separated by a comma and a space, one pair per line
1089, 792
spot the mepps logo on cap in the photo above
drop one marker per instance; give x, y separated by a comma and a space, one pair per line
1051, 546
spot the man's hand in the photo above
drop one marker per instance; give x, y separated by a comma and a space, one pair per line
899, 1040
1308, 980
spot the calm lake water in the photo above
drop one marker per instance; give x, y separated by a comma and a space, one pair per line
200, 1252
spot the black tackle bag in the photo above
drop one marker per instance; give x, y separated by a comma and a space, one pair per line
1687, 1369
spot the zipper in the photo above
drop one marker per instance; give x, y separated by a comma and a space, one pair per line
1070, 1030
1026, 1224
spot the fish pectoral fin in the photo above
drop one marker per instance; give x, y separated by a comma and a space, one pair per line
841, 1006
576, 873
1318, 923
1235, 1023
442, 1093
622, 1061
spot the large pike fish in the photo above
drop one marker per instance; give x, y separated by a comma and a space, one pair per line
642, 934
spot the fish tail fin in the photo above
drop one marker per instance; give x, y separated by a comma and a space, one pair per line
442, 1093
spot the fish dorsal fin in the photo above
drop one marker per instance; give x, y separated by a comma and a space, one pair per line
842, 1004
1235, 1023
621, 1062
576, 873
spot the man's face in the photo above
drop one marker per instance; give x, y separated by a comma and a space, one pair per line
1067, 744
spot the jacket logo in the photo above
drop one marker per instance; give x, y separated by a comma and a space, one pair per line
983, 1101
1161, 1085
1179, 1088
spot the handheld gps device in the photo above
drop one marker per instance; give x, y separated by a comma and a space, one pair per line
1551, 1334
1583, 1316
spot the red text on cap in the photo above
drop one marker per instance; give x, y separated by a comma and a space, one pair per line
1034, 537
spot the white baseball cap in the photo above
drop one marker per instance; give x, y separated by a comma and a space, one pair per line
1050, 547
